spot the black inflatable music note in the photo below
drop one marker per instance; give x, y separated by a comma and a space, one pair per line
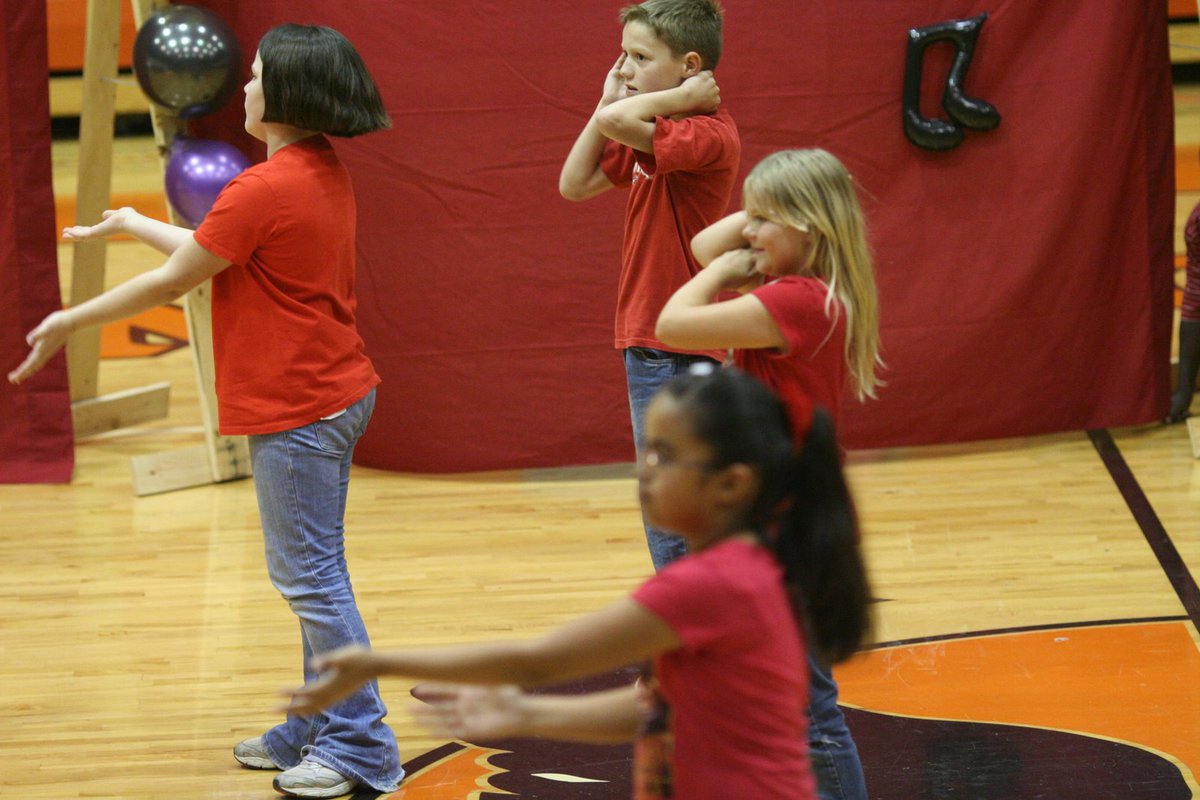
964, 111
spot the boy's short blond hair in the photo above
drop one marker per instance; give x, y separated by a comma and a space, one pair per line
682, 25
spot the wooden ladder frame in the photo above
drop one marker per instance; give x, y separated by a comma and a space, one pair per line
220, 458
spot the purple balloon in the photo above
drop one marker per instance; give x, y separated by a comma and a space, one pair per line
197, 171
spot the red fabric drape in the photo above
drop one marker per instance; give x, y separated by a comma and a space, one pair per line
36, 439
1024, 276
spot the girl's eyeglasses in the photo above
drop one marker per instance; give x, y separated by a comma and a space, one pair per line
656, 460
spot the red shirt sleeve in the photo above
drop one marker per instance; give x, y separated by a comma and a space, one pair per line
798, 307
617, 162
698, 602
231, 233
693, 144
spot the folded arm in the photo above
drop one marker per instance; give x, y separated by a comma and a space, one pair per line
581, 177
693, 319
722, 236
631, 120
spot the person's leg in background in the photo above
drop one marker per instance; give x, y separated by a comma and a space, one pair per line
1189, 324
835, 760
646, 371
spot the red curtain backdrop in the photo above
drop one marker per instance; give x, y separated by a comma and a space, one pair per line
36, 439
1025, 276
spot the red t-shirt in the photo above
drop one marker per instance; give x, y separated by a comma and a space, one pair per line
811, 371
285, 345
737, 688
674, 194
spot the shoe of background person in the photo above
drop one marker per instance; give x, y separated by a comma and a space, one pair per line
310, 779
252, 754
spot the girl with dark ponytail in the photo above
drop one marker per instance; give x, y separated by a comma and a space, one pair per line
772, 554
804, 512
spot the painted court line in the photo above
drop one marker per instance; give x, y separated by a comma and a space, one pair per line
1147, 519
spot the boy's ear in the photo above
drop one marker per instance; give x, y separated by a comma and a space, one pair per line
693, 64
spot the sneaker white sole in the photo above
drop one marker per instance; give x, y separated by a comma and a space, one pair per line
343, 788
254, 762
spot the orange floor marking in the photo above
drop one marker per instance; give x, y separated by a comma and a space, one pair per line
1187, 167
152, 204
464, 771
164, 329
1137, 683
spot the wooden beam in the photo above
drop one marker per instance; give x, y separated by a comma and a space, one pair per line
1185, 42
66, 96
120, 409
224, 457
229, 456
171, 470
94, 183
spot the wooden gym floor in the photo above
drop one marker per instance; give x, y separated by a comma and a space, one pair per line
1036, 632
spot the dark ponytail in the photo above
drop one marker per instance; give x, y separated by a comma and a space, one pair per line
817, 541
803, 511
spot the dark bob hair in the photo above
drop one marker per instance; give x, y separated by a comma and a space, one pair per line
314, 79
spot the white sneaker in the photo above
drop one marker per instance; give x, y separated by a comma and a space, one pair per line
252, 754
310, 779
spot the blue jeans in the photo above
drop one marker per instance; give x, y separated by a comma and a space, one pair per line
831, 749
301, 477
834, 756
646, 371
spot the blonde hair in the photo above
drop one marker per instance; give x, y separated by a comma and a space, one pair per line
811, 190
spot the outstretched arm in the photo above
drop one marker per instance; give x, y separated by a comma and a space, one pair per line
623, 633
474, 713
693, 319
188, 267
630, 121
162, 236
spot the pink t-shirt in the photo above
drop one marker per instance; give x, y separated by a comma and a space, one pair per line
673, 195
285, 345
811, 371
738, 686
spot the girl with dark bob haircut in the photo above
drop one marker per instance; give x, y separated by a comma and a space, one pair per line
314, 79
292, 372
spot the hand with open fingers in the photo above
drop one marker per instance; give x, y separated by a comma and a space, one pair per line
44, 341
471, 712
703, 94
111, 223
614, 84
341, 673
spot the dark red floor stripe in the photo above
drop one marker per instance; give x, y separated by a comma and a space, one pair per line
1152, 528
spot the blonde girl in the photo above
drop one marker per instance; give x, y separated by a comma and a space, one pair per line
807, 325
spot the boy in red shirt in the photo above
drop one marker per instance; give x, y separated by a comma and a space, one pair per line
658, 132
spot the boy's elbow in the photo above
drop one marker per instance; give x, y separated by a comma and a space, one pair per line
610, 121
570, 189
